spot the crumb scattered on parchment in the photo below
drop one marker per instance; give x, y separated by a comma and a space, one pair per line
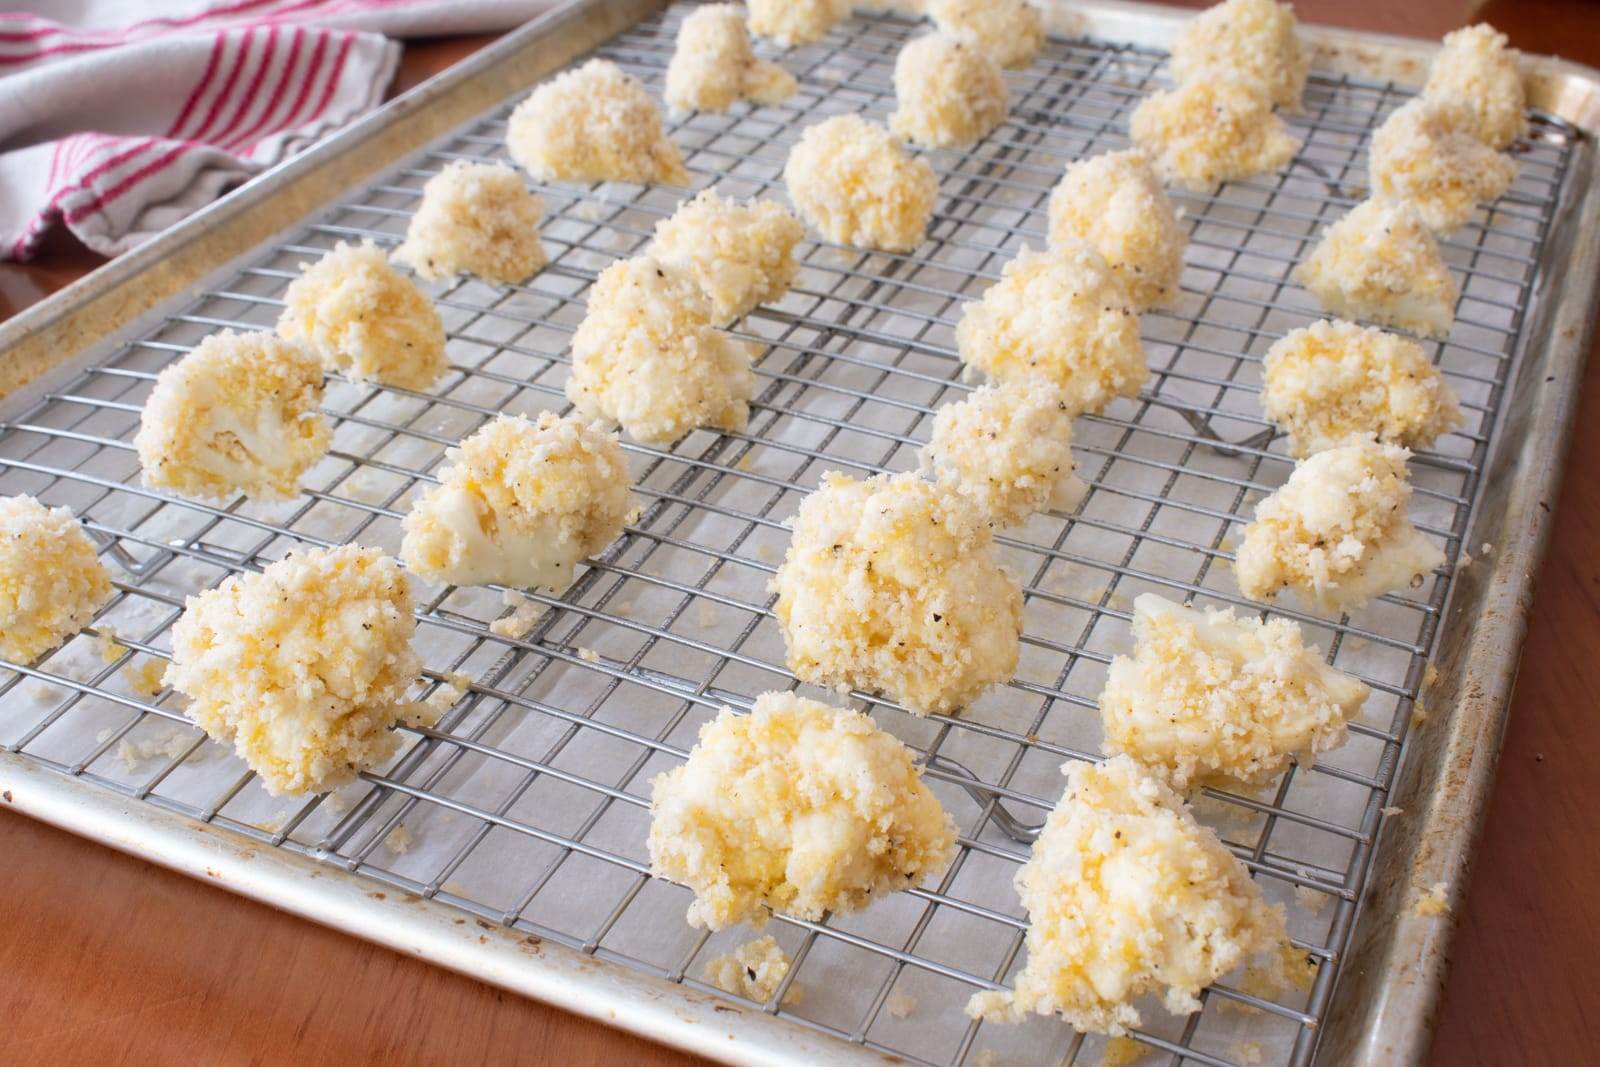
1313, 900
274, 824
398, 840
744, 462
341, 800
1247, 1053
754, 970
1389, 813
444, 697
105, 643
1122, 1051
899, 1005
588, 655
1430, 675
145, 678
986, 1057
1419, 715
43, 694
587, 210
1486, 549
1465, 561
524, 614
169, 744
1433, 904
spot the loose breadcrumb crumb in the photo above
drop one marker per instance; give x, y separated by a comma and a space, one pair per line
588, 655
168, 745
900, 1005
145, 678
51, 580
238, 413
475, 218
593, 124
1253, 39
398, 840
106, 644
947, 93
795, 22
1380, 262
890, 585
1115, 202
1434, 903
1313, 900
524, 613
1121, 1052
365, 319
797, 807
1428, 152
1476, 68
713, 64
1216, 129
754, 970
444, 697
1060, 315
856, 184
740, 254
1010, 31
1389, 813
1247, 1053
1419, 714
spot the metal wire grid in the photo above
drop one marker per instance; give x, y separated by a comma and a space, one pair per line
526, 804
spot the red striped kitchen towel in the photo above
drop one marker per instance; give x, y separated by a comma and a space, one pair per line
129, 116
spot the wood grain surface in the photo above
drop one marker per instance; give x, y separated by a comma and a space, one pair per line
107, 959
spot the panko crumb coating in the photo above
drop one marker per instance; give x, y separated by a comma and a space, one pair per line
365, 319
889, 586
521, 504
1116, 203
1062, 316
646, 356
1008, 449
240, 413
856, 184
1337, 531
1255, 39
1476, 68
1331, 382
1381, 263
1428, 152
947, 93
594, 124
795, 22
741, 254
713, 64
1010, 31
1127, 894
1215, 129
478, 219
303, 667
1210, 699
799, 808
51, 580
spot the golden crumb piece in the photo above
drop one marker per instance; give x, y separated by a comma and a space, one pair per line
1008, 449
1428, 152
51, 580
1126, 895
754, 970
521, 504
365, 319
947, 93
593, 124
239, 414
1115, 202
799, 808
1254, 39
1330, 382
478, 219
1122, 1052
1435, 903
1010, 31
1215, 129
1337, 531
1380, 262
899, 1005
1477, 69
1210, 699
857, 185
741, 254
303, 667
145, 679
646, 356
795, 22
713, 64
889, 585
1063, 316
399, 840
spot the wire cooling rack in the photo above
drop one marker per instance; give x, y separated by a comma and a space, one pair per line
527, 803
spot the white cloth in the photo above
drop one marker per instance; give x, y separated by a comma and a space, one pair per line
120, 118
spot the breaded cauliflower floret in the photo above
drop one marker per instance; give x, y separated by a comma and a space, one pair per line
1337, 531
1380, 262
593, 124
1008, 449
1329, 382
1251, 38
889, 586
856, 184
1010, 31
521, 504
713, 64
1062, 316
1428, 152
1210, 699
754, 970
740, 254
646, 356
948, 93
799, 808
475, 218
795, 22
1115, 202
238, 414
1126, 895
365, 319
303, 667
1476, 68
51, 580
1214, 129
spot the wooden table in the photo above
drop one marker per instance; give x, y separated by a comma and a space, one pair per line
104, 958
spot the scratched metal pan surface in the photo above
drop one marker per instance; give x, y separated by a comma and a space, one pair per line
507, 842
